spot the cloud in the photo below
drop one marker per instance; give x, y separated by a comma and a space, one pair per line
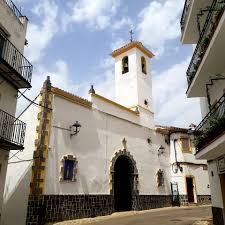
40, 35
171, 104
159, 23
124, 22
96, 14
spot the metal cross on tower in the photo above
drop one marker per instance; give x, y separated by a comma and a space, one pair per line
131, 35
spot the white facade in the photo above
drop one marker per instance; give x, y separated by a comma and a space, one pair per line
207, 81
105, 126
197, 169
13, 29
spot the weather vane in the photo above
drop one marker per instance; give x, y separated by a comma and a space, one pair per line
131, 35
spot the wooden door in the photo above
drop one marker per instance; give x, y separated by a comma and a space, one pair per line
190, 189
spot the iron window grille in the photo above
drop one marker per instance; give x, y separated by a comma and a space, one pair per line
14, 58
12, 130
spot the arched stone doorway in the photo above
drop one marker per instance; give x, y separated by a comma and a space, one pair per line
124, 181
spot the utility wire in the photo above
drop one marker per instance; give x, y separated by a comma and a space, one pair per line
32, 101
23, 93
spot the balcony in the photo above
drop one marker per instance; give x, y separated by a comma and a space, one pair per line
193, 19
204, 61
12, 132
211, 128
14, 67
185, 14
13, 8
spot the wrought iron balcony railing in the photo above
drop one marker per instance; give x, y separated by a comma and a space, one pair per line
13, 8
214, 14
13, 65
12, 132
184, 14
212, 126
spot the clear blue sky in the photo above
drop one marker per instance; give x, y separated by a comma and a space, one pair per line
71, 41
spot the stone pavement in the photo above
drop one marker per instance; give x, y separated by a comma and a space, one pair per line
164, 216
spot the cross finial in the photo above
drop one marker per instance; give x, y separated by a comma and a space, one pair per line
124, 141
131, 35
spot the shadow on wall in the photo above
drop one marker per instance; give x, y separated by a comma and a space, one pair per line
15, 207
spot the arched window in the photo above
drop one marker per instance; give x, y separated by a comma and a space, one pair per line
125, 65
143, 65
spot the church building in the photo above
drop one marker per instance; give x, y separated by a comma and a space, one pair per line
92, 157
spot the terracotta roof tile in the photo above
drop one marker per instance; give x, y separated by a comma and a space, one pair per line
131, 45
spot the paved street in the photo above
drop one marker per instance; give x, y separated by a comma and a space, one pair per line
166, 216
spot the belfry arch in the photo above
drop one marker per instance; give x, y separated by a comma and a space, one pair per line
124, 181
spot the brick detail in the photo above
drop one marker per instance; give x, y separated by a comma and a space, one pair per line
145, 202
54, 208
201, 200
204, 199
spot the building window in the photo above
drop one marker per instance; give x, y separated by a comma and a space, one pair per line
143, 65
160, 178
185, 145
68, 168
146, 102
125, 65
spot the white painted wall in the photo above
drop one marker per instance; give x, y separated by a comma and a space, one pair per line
215, 187
134, 87
15, 28
96, 144
19, 174
196, 170
3, 169
8, 97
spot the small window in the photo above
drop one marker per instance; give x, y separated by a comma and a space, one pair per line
185, 145
125, 65
143, 65
68, 168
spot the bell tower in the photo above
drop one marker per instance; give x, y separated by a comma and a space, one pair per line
133, 81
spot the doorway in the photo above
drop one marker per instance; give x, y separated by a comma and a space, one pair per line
190, 189
123, 183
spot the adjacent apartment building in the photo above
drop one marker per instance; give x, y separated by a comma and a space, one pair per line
203, 24
15, 74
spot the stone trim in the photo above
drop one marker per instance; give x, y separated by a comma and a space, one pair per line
55, 208
43, 129
124, 152
72, 158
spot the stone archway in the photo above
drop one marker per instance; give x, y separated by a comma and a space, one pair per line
124, 181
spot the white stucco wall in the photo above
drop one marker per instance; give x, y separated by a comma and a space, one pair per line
3, 169
134, 87
217, 200
18, 175
8, 97
96, 144
194, 168
13, 26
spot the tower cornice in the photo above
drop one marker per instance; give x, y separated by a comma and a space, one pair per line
133, 44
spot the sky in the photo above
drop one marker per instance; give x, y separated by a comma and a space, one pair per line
71, 42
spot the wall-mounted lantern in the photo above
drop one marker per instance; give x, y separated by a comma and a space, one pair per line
161, 150
75, 128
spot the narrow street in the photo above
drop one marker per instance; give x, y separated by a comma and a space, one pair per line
165, 216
